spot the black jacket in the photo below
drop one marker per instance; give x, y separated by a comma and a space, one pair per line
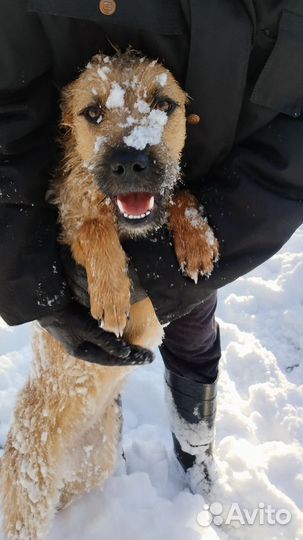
240, 61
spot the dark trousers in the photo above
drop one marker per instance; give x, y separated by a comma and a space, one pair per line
191, 346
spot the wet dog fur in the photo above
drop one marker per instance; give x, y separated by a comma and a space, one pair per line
124, 121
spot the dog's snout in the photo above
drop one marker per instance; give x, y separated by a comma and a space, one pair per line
123, 162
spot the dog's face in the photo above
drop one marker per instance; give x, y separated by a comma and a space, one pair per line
127, 116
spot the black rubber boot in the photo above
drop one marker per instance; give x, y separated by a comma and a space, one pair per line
192, 411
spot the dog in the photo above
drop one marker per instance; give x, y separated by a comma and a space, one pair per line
125, 127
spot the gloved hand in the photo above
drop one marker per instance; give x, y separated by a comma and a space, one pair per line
80, 335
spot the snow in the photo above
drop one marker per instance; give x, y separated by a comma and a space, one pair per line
142, 106
258, 429
116, 96
194, 435
162, 79
103, 72
130, 121
195, 218
210, 238
100, 140
149, 130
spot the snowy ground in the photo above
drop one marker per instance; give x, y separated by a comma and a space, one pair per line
259, 458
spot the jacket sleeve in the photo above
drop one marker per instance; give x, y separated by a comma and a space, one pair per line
253, 200
31, 282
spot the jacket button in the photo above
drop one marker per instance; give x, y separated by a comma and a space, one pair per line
193, 119
107, 7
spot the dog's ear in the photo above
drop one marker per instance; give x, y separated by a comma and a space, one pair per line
67, 116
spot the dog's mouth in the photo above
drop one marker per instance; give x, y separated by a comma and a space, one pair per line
136, 207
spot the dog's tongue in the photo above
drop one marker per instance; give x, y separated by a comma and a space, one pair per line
135, 204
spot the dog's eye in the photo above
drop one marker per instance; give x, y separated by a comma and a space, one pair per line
92, 114
166, 105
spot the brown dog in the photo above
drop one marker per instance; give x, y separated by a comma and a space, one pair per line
125, 120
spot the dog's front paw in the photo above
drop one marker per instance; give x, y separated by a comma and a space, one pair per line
198, 251
110, 305
196, 246
97, 247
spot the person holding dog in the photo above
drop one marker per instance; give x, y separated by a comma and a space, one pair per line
240, 64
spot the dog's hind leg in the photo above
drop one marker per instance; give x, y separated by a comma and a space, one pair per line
94, 454
60, 399
29, 483
143, 327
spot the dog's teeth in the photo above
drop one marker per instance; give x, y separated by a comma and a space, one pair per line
151, 203
121, 207
140, 216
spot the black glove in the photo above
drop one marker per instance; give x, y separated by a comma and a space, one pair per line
80, 335
172, 294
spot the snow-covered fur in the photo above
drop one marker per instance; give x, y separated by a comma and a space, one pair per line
66, 424
66, 430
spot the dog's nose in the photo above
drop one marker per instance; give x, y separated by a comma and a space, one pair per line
128, 161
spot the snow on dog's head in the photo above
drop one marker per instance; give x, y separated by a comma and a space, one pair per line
126, 120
